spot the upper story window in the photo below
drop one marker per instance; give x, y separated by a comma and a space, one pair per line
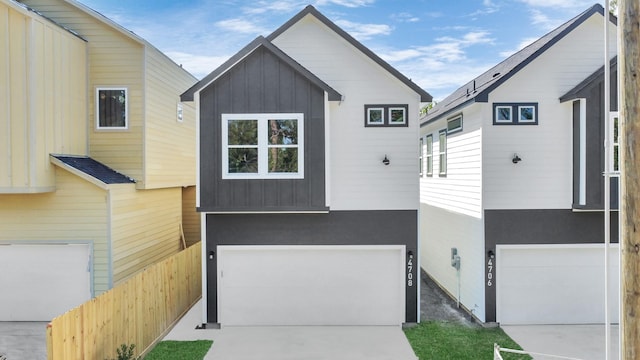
614, 161
386, 115
429, 146
442, 142
515, 114
112, 108
262, 146
420, 158
454, 124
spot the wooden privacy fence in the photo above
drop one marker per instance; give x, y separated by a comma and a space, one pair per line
138, 311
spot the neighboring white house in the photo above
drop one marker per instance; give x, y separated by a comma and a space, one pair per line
508, 184
307, 182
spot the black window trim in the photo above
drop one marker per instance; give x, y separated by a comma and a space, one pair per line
385, 113
515, 113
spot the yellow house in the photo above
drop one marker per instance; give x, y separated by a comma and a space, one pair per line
97, 156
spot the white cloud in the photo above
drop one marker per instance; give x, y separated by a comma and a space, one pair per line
346, 3
260, 7
405, 17
241, 26
364, 31
524, 43
559, 4
198, 65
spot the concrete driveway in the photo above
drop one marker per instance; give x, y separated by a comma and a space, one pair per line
23, 340
296, 342
586, 342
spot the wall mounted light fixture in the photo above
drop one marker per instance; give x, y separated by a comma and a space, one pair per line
516, 159
386, 160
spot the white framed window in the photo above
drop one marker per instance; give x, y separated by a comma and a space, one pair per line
614, 133
429, 146
503, 115
263, 146
454, 124
375, 116
179, 113
420, 156
112, 108
527, 114
515, 114
442, 144
397, 115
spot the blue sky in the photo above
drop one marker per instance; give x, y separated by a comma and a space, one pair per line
439, 44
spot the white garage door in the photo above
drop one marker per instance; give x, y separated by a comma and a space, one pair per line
555, 284
311, 285
40, 282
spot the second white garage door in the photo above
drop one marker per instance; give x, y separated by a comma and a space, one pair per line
39, 282
311, 285
555, 284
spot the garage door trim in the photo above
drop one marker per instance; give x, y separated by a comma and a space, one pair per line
399, 249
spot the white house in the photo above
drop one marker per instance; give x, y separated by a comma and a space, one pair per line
307, 182
511, 183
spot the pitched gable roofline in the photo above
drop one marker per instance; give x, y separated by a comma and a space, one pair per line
128, 33
478, 89
260, 41
310, 10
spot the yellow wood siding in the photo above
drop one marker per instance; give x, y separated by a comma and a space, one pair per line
170, 147
145, 227
115, 60
77, 211
190, 217
43, 77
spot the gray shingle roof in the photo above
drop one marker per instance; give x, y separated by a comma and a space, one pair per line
95, 169
478, 89
258, 42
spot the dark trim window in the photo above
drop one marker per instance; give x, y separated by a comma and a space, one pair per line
429, 145
111, 108
263, 146
442, 147
515, 114
386, 115
454, 124
614, 160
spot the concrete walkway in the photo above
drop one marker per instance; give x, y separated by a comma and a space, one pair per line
585, 342
21, 340
296, 342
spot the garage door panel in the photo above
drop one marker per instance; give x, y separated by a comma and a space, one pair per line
554, 285
40, 282
306, 285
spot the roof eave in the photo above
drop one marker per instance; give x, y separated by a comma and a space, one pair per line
310, 10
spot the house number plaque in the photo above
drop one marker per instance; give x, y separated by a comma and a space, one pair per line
410, 269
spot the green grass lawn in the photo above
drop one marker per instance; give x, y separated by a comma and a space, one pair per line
442, 341
180, 350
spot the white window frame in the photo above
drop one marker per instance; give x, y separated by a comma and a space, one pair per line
382, 116
498, 121
263, 146
404, 116
421, 156
442, 152
429, 155
126, 108
533, 109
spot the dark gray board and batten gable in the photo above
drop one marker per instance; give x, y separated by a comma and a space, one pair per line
264, 81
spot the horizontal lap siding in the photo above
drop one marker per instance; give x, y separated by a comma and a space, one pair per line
460, 191
170, 146
543, 179
77, 211
42, 99
261, 83
145, 227
358, 178
115, 60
